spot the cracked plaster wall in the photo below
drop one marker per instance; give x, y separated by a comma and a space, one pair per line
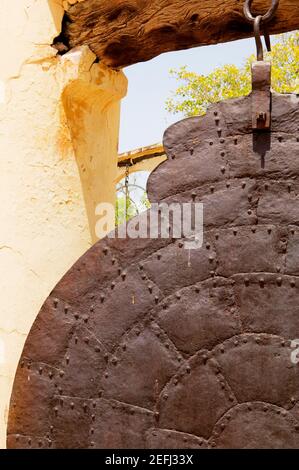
45, 202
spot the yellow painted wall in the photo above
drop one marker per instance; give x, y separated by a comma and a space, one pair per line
49, 185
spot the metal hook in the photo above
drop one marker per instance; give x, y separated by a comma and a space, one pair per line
258, 21
266, 17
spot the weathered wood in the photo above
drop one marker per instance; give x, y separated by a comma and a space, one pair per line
123, 32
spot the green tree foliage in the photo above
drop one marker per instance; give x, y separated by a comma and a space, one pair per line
196, 92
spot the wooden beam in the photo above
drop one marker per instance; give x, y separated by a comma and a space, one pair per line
124, 32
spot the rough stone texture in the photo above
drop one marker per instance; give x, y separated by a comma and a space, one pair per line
124, 32
161, 347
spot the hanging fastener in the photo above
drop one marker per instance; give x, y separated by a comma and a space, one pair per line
261, 70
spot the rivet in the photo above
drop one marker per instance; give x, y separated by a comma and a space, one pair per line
56, 410
124, 275
119, 271
124, 347
188, 369
236, 343
223, 426
150, 288
280, 138
61, 373
249, 408
76, 316
236, 141
269, 231
244, 185
265, 409
50, 375
246, 281
228, 185
223, 169
92, 431
85, 407
167, 346
85, 318
157, 299
279, 281
181, 244
197, 290
86, 340
143, 277
222, 350
249, 212
208, 246
51, 428
231, 398
66, 309
113, 261
222, 154
114, 361
92, 444
102, 298
213, 444
55, 302
211, 143
283, 344
215, 113
235, 232
211, 259
222, 141
141, 267
262, 282
212, 189
266, 187
178, 296
217, 236
165, 397
176, 381
112, 285
105, 251
289, 187
40, 370
76, 339
193, 196
159, 257
293, 284
67, 360
164, 306
253, 230
40, 443
29, 442
137, 332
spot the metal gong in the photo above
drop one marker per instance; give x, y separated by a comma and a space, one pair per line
144, 344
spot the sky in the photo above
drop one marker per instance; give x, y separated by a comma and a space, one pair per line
143, 115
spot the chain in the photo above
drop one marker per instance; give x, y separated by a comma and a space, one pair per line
258, 22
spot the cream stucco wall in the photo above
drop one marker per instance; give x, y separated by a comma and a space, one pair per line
51, 178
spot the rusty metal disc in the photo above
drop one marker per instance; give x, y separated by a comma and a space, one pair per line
146, 345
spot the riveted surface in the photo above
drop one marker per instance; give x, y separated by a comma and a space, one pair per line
147, 344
